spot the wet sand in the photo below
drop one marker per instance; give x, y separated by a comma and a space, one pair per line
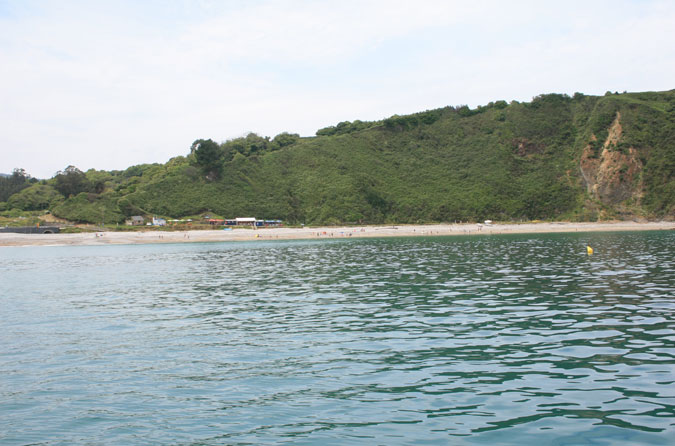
242, 234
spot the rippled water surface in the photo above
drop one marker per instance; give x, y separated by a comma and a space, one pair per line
487, 340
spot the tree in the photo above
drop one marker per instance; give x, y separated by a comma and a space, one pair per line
284, 139
256, 143
209, 156
249, 145
14, 183
71, 181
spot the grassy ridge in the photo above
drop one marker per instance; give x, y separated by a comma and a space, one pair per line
502, 162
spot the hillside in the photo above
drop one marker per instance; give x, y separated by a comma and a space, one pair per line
579, 158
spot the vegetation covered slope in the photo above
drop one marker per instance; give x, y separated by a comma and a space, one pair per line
557, 157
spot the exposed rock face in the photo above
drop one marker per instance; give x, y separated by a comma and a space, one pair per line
525, 148
613, 175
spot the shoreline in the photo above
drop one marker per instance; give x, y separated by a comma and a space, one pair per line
311, 233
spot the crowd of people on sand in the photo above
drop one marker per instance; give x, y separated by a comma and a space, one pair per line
331, 234
350, 232
340, 234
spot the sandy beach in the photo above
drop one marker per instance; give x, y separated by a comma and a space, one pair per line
261, 234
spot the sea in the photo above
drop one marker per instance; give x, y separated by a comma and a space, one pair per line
465, 340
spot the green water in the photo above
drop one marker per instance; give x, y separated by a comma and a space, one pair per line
500, 340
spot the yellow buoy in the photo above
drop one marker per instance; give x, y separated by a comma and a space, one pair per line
589, 250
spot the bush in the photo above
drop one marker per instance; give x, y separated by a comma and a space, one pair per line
35, 198
92, 208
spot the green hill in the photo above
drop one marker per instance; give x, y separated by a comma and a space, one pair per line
557, 157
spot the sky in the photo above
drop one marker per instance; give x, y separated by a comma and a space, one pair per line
110, 84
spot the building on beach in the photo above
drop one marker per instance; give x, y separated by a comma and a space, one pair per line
245, 221
135, 220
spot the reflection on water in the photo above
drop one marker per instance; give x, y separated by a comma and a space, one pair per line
483, 340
